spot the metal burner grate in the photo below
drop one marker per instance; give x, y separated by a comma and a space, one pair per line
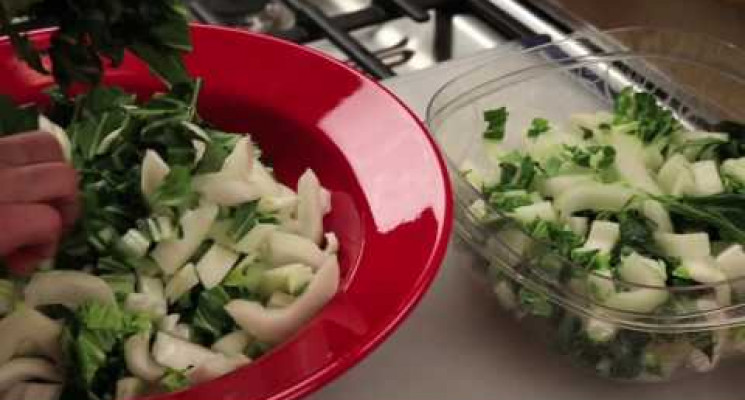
307, 21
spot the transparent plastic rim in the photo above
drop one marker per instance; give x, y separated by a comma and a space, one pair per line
683, 322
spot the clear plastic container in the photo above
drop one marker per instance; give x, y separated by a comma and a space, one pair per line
703, 81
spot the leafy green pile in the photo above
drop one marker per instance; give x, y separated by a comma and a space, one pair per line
632, 196
90, 31
108, 135
93, 340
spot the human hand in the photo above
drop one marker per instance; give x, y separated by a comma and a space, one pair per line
38, 199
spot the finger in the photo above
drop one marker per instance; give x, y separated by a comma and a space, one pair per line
25, 260
38, 183
29, 148
69, 210
28, 225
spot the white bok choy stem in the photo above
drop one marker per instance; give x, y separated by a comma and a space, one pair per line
255, 239
731, 262
288, 248
325, 199
129, 388
33, 391
225, 191
641, 270
332, 243
276, 325
578, 225
629, 163
182, 282
266, 183
216, 367
26, 369
68, 288
232, 185
656, 212
593, 196
284, 206
240, 163
603, 236
290, 278
172, 352
555, 186
232, 344
31, 329
153, 171
149, 300
138, 358
684, 245
642, 300
706, 270
309, 209
59, 134
172, 254
215, 265
600, 284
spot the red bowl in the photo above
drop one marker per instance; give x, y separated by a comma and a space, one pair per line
390, 192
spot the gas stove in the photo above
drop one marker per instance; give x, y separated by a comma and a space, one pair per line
385, 38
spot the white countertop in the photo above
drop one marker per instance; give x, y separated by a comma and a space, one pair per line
457, 344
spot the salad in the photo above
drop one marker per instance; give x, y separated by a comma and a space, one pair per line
620, 208
189, 260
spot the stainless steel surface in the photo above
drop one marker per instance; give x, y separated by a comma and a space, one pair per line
529, 19
409, 46
336, 7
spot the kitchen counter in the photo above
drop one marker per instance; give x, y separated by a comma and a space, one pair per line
458, 345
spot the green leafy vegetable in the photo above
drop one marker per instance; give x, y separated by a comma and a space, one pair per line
735, 147
507, 201
216, 151
174, 380
724, 212
175, 192
257, 349
121, 284
640, 108
595, 157
591, 259
559, 237
637, 232
16, 119
210, 320
535, 303
93, 339
538, 127
91, 31
246, 278
496, 121
518, 172
244, 219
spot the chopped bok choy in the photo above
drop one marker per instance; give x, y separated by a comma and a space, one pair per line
625, 208
189, 261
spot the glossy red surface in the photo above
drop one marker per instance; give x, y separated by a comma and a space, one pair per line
390, 193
